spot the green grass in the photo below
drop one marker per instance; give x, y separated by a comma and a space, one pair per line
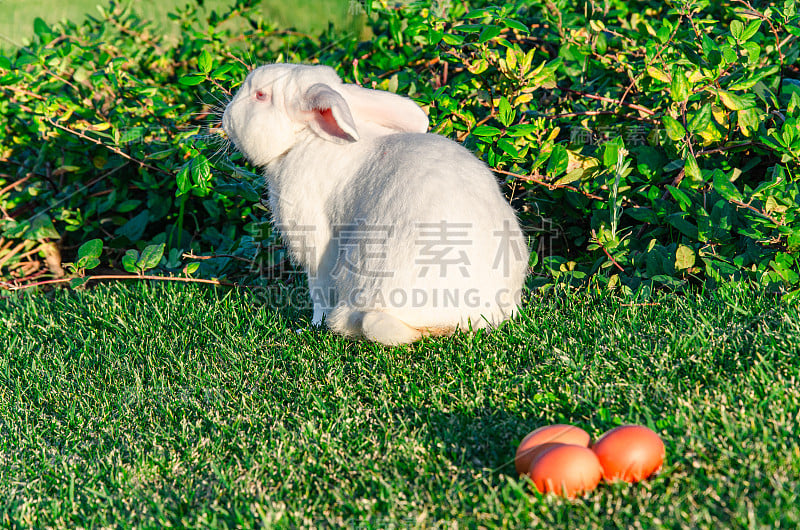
16, 24
155, 405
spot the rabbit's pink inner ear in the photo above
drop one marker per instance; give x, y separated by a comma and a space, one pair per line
329, 124
325, 123
327, 114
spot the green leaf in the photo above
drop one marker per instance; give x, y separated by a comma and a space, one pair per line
219, 73
131, 135
134, 228
508, 147
506, 112
736, 102
753, 51
488, 33
679, 88
570, 177
692, 169
729, 54
744, 84
75, 283
434, 36
611, 153
700, 119
5, 62
683, 226
42, 228
736, 29
88, 263
684, 257
660, 75
128, 206
40, 27
675, 130
643, 214
725, 187
519, 26
192, 268
521, 130
710, 49
452, 39
183, 180
151, 256
25, 59
559, 159
191, 79
748, 121
129, 261
239, 189
91, 249
486, 130
680, 197
204, 62
201, 172
751, 29
600, 43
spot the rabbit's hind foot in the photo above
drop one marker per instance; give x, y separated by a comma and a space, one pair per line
386, 329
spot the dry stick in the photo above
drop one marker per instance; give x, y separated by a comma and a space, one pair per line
594, 235
15, 184
192, 255
12, 253
121, 277
609, 100
112, 149
538, 180
755, 210
675, 182
36, 274
621, 100
28, 93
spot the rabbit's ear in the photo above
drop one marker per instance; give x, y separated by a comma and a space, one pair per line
385, 109
328, 115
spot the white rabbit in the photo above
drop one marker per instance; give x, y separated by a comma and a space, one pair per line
402, 233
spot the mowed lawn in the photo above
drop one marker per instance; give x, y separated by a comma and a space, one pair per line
163, 405
16, 23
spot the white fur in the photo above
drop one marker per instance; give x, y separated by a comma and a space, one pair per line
370, 206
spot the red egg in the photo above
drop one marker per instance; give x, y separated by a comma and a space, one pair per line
566, 470
559, 433
629, 452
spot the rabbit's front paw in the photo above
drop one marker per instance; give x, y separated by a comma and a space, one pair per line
318, 317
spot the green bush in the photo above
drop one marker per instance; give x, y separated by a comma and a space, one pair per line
645, 144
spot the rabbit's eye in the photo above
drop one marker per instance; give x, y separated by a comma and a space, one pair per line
261, 95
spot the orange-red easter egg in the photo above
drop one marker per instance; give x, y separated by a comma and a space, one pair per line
529, 446
629, 452
566, 470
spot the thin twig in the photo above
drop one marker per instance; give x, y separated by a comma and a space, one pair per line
614, 101
594, 235
755, 210
112, 149
192, 255
537, 179
16, 183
